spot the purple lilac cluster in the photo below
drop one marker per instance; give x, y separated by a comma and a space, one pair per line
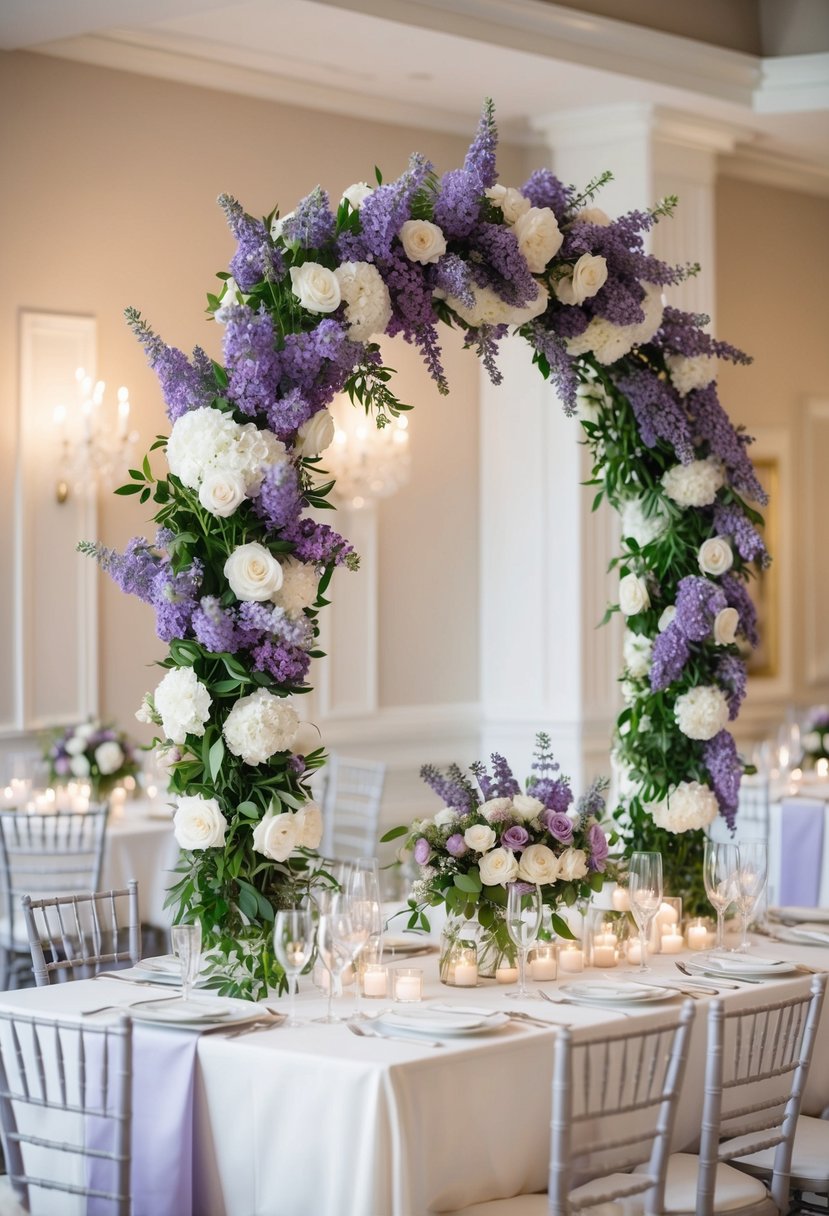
731, 520
452, 787
503, 266
279, 502
185, 385
671, 651
315, 366
682, 333
312, 224
256, 258
726, 770
382, 215
737, 596
277, 642
143, 571
550, 345
544, 189
732, 677
502, 783
318, 544
253, 365
714, 427
659, 412
698, 601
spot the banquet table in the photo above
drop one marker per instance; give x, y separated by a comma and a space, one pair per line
140, 844
317, 1122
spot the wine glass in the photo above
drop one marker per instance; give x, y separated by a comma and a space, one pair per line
186, 942
339, 940
523, 924
752, 872
720, 867
645, 894
366, 916
293, 944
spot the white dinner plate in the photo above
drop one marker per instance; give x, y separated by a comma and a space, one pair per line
198, 1011
164, 969
595, 993
434, 1022
405, 943
736, 967
809, 934
815, 915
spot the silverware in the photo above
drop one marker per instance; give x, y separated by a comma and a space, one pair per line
156, 1000
364, 1032
565, 1000
125, 979
696, 994
722, 983
516, 1014
273, 1019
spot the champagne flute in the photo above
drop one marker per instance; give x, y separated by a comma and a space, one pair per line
186, 942
720, 868
523, 924
645, 893
366, 917
339, 941
752, 872
293, 944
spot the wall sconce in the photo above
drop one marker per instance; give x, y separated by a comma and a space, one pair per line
368, 462
95, 449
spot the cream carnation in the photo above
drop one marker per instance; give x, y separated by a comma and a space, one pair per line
367, 299
538, 864
253, 572
688, 808
498, 867
607, 341
109, 757
222, 492
260, 725
422, 241
641, 526
539, 237
637, 651
316, 287
725, 626
653, 308
315, 435
633, 595
702, 712
479, 838
356, 194
79, 766
690, 373
276, 836
199, 824
715, 556
183, 703
695, 484
510, 202
299, 586
494, 807
572, 865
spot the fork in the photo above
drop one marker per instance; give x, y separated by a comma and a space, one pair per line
157, 1000
125, 979
273, 1019
363, 1032
563, 1000
735, 987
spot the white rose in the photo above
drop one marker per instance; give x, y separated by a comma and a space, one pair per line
183, 703
79, 766
539, 237
688, 807
479, 838
538, 864
422, 241
221, 493
633, 595
593, 215
511, 202
572, 865
276, 836
109, 757
446, 816
564, 290
702, 712
315, 287
715, 556
278, 223
695, 484
260, 725
367, 299
315, 435
589, 276
690, 373
642, 526
75, 745
356, 194
527, 807
725, 626
253, 572
199, 824
498, 867
637, 651
495, 806
308, 821
298, 590
667, 617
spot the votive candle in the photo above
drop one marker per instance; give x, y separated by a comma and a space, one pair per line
466, 974
375, 980
408, 984
604, 956
507, 974
634, 951
697, 936
620, 900
543, 965
571, 958
672, 942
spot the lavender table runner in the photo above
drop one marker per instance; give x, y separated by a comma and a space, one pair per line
801, 851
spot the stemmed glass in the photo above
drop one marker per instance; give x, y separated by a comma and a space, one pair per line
523, 924
366, 916
293, 944
720, 869
645, 893
753, 866
339, 940
186, 942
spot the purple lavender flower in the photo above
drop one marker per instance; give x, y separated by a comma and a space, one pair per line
515, 838
451, 275
508, 273
659, 412
544, 189
453, 787
458, 203
523, 888
480, 158
413, 312
726, 769
562, 367
731, 520
216, 627
731, 673
185, 385
456, 845
279, 502
312, 225
256, 258
725, 440
175, 598
555, 794
287, 664
297, 765
253, 365
698, 601
599, 849
384, 213
558, 825
501, 784
422, 851
737, 596
668, 658
682, 333
485, 339
318, 544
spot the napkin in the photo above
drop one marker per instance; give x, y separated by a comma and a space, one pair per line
801, 847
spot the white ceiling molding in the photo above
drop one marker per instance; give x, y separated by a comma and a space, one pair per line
794, 84
571, 128
775, 169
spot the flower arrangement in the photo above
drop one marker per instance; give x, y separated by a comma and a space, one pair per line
490, 834
816, 735
238, 569
93, 752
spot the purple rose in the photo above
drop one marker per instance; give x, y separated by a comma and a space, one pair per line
455, 845
558, 825
422, 851
599, 848
515, 838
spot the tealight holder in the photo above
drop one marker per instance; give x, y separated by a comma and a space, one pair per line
459, 963
604, 945
408, 984
542, 962
667, 925
570, 957
700, 934
374, 981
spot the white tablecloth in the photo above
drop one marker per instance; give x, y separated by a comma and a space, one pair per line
316, 1122
141, 846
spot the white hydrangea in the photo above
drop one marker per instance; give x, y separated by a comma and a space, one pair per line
206, 440
260, 725
183, 703
688, 807
695, 484
610, 342
109, 757
642, 527
637, 650
299, 586
702, 712
490, 309
367, 299
690, 373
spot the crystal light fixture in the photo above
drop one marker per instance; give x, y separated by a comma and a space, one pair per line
368, 462
95, 443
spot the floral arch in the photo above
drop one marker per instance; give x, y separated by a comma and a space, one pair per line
238, 571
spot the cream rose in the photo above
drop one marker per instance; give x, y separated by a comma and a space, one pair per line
702, 712
593, 215
308, 821
109, 757
538, 864
498, 868
446, 816
183, 704
221, 492
479, 838
199, 824
276, 836
667, 617
366, 297
315, 287
260, 725
539, 237
725, 626
422, 241
315, 435
633, 595
572, 865
589, 276
356, 194
527, 807
715, 556
510, 202
253, 572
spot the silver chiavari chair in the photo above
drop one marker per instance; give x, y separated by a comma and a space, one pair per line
351, 811
82, 933
66, 1110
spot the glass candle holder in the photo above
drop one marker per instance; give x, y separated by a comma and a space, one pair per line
542, 961
604, 945
375, 981
668, 924
570, 957
408, 984
459, 963
698, 933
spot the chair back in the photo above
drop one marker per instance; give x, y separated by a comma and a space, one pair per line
757, 1065
353, 796
81, 1075
614, 1103
82, 933
753, 811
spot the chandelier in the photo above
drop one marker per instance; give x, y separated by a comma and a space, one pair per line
95, 442
367, 461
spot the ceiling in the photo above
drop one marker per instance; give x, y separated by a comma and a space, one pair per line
427, 62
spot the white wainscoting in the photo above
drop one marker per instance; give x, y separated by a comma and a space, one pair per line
815, 570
